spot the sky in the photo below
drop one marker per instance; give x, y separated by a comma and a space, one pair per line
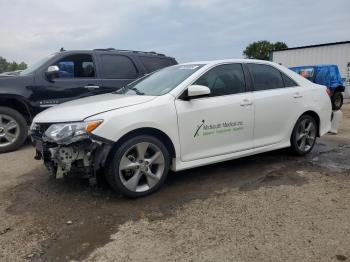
187, 30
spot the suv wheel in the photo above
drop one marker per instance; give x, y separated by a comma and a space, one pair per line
13, 130
337, 100
139, 166
304, 135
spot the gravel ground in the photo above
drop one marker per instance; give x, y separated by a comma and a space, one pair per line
267, 207
273, 223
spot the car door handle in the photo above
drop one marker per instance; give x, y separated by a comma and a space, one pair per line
297, 95
246, 102
91, 87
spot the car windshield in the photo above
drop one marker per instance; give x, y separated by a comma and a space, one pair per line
160, 82
32, 68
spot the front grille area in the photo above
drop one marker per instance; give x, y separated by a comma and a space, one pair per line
39, 130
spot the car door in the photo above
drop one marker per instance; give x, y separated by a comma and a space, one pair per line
76, 79
117, 71
220, 123
277, 99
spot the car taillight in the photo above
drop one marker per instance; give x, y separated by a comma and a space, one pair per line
329, 92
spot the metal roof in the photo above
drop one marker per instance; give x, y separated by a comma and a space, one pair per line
311, 46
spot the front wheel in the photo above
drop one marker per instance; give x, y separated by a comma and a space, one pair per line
337, 100
138, 167
13, 130
304, 135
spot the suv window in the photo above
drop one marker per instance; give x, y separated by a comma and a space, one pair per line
265, 77
154, 63
224, 80
118, 67
76, 66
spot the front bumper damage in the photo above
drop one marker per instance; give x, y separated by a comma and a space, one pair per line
84, 158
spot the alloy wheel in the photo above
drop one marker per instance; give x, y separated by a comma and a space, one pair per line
141, 167
9, 130
306, 135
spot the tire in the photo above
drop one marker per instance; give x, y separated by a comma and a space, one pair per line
138, 167
337, 100
13, 130
304, 136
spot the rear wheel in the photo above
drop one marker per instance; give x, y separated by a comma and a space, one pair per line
337, 100
304, 135
13, 130
139, 166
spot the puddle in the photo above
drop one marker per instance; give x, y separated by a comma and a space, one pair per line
275, 178
334, 157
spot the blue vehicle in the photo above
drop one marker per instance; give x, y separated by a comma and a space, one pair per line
327, 75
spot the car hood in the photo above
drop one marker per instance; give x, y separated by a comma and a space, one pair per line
8, 74
80, 109
12, 77
7, 83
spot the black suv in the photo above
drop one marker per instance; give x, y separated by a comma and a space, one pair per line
65, 76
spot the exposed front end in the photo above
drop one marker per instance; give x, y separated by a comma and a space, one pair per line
68, 148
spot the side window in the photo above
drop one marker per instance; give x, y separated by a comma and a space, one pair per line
118, 67
265, 77
288, 82
154, 63
224, 80
76, 66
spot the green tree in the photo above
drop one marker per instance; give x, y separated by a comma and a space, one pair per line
22, 66
261, 49
6, 66
279, 46
3, 64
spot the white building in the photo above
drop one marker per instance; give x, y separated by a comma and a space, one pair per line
330, 53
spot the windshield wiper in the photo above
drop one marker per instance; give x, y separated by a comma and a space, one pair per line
138, 92
125, 89
120, 91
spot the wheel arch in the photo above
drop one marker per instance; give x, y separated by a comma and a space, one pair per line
316, 117
17, 104
152, 132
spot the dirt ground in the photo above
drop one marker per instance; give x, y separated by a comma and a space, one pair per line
268, 207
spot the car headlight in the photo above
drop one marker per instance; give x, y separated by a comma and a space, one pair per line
70, 132
33, 126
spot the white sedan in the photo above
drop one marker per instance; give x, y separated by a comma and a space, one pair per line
180, 117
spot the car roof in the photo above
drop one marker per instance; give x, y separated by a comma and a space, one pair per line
118, 51
211, 63
223, 61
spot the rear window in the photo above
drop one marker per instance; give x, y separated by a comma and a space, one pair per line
118, 67
265, 77
155, 63
287, 81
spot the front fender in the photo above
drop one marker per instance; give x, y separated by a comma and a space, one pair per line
159, 114
17, 102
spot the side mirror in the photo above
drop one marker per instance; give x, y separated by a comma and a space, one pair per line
52, 72
195, 91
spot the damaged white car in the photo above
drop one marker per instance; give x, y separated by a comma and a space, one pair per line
181, 117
